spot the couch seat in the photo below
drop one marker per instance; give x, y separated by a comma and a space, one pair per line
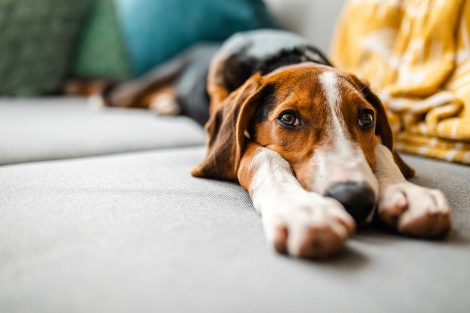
136, 233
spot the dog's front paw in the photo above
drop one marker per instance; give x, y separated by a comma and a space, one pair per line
309, 226
414, 210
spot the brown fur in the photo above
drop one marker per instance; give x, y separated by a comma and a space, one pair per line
225, 130
296, 88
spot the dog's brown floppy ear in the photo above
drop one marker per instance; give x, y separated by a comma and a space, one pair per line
382, 128
226, 131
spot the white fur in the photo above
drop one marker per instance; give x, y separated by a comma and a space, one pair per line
165, 104
386, 170
341, 160
397, 192
96, 102
282, 201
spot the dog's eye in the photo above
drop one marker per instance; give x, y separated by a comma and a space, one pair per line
366, 118
289, 118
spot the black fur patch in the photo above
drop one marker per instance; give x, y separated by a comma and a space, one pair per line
266, 104
240, 66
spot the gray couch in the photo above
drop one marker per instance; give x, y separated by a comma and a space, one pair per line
98, 213
106, 229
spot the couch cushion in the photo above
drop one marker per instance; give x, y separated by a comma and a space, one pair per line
36, 42
136, 233
157, 30
101, 52
57, 128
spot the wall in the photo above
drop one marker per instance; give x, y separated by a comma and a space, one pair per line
313, 19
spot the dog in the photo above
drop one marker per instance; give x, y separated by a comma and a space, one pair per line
175, 87
310, 143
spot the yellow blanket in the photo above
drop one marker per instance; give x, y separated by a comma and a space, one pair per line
416, 55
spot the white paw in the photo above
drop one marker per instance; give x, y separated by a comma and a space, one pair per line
414, 210
165, 104
307, 225
96, 102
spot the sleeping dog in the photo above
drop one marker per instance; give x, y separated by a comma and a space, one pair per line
311, 144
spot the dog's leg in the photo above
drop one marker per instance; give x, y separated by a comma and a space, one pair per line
163, 102
132, 94
295, 221
408, 208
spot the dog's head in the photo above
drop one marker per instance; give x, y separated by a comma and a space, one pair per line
324, 122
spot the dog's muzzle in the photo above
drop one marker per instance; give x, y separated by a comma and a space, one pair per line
357, 198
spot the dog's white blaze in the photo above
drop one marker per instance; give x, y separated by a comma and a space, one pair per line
343, 160
329, 81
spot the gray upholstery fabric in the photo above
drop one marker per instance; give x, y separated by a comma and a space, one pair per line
136, 233
58, 128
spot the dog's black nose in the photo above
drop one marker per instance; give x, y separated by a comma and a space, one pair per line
357, 198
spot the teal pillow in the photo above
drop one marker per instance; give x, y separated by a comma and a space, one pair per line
156, 30
101, 52
36, 42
